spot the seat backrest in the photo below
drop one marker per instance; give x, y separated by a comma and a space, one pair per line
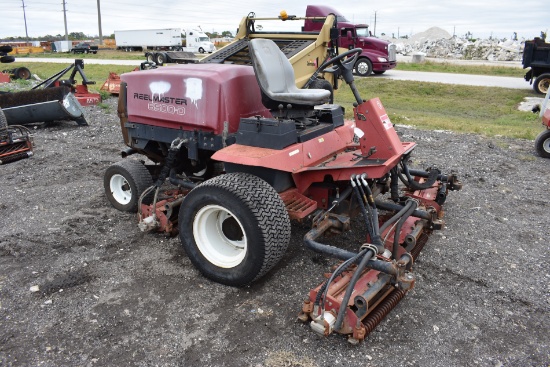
276, 78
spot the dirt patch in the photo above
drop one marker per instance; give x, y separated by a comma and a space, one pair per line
110, 295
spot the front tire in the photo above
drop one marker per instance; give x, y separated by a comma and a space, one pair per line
363, 67
234, 228
542, 83
542, 144
201, 50
124, 182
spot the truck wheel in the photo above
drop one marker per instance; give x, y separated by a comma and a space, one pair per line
201, 50
160, 59
542, 83
542, 144
22, 73
234, 228
150, 57
124, 182
363, 67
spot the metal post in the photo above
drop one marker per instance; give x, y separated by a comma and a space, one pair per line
25, 18
99, 22
65, 18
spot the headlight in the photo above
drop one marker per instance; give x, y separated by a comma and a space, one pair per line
382, 59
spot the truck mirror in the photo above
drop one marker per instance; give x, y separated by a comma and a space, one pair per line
334, 33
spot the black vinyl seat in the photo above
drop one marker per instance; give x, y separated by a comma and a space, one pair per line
276, 78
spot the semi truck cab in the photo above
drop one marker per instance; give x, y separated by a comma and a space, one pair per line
377, 56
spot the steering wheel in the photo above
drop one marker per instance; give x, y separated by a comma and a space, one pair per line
348, 64
346, 67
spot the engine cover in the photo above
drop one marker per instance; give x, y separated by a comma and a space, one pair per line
194, 96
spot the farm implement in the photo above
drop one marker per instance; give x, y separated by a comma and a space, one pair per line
235, 153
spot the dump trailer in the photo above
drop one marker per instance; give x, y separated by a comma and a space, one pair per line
536, 56
235, 152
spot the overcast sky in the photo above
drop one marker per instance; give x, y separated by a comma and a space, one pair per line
483, 18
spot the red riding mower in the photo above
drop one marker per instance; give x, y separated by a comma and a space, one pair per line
243, 161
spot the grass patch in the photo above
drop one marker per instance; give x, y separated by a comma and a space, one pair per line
447, 67
481, 110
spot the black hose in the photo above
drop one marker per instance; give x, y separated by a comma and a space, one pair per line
394, 185
433, 175
337, 272
366, 215
332, 251
396, 217
349, 289
178, 181
422, 214
397, 231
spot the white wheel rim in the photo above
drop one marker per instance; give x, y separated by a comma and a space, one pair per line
546, 145
211, 236
120, 189
362, 67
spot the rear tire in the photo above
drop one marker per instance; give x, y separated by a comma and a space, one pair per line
150, 58
160, 59
542, 83
542, 144
363, 67
124, 182
234, 228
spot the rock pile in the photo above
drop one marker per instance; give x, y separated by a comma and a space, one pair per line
436, 42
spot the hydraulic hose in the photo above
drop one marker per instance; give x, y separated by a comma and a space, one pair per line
349, 289
433, 175
396, 217
324, 288
402, 220
332, 251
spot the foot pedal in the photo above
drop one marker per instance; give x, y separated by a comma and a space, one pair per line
297, 205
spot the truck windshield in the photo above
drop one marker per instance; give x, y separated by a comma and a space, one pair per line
203, 39
363, 32
341, 18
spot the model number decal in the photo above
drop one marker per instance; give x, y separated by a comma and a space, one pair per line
163, 108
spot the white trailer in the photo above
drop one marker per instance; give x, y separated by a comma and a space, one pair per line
197, 41
148, 39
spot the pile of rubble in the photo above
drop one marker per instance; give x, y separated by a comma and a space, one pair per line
436, 42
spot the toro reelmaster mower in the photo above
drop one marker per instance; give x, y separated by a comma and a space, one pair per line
243, 161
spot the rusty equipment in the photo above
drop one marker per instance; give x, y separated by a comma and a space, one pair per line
246, 151
112, 83
42, 105
80, 91
15, 142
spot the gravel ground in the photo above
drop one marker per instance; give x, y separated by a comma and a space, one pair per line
110, 295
